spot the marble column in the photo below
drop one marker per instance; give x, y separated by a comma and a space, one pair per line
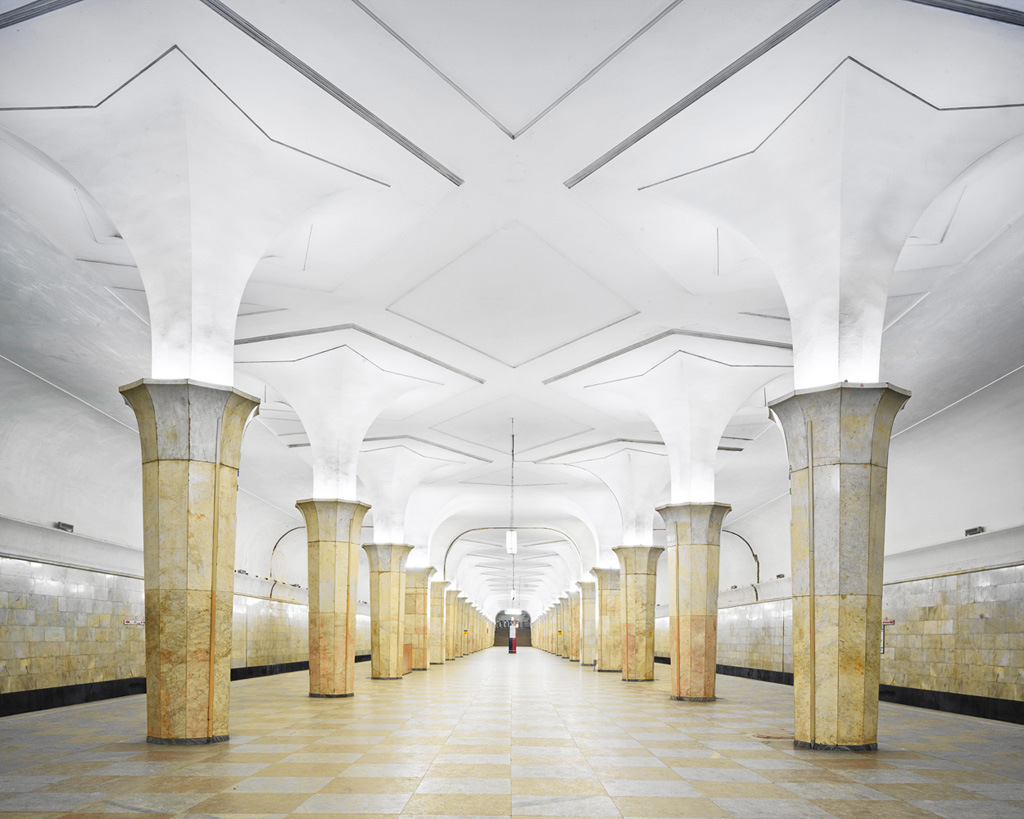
387, 608
574, 626
460, 627
588, 622
638, 576
451, 606
437, 621
694, 533
417, 615
332, 532
560, 645
837, 439
191, 436
609, 620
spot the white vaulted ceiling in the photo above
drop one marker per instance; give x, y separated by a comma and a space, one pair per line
495, 200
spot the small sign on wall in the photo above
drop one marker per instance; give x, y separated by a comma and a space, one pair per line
884, 624
135, 622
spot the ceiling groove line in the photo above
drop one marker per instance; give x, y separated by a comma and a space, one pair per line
975, 9
338, 327
760, 342
177, 49
29, 11
751, 56
330, 88
444, 77
593, 72
817, 87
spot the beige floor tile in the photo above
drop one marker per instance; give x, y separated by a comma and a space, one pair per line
743, 790
664, 806
254, 803
458, 804
569, 787
377, 784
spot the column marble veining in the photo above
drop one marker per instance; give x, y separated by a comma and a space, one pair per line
574, 626
332, 531
191, 437
588, 622
437, 621
417, 615
387, 608
693, 533
837, 440
638, 576
609, 619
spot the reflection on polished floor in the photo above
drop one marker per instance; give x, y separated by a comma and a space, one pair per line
501, 735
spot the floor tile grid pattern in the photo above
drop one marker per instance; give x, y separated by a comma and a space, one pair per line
494, 734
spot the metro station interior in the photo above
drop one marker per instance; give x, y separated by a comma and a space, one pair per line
343, 342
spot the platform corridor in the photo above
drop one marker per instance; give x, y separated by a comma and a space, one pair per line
499, 735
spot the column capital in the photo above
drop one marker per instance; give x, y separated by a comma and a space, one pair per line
420, 577
332, 519
851, 423
638, 559
694, 522
185, 420
587, 587
607, 578
387, 557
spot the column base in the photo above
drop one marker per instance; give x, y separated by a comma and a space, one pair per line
424, 668
437, 663
385, 678
694, 699
638, 679
331, 696
611, 670
818, 746
187, 740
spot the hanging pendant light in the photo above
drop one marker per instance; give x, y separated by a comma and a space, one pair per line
511, 541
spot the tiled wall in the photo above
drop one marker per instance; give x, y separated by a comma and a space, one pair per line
66, 626
267, 632
62, 626
960, 633
757, 636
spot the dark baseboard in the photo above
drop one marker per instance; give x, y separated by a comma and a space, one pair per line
248, 672
40, 699
971, 706
762, 674
966, 704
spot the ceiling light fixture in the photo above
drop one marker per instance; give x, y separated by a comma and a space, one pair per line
511, 544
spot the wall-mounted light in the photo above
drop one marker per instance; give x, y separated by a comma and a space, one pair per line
64, 527
974, 530
780, 576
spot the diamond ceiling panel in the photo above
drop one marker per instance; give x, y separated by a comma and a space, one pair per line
512, 297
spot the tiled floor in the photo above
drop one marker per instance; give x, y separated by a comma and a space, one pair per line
501, 735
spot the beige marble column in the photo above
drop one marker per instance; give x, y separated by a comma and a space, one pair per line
574, 626
451, 624
417, 615
837, 439
694, 533
609, 620
332, 531
588, 622
387, 608
638, 576
460, 626
560, 638
191, 436
437, 621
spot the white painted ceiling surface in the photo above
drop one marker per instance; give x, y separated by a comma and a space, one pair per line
424, 189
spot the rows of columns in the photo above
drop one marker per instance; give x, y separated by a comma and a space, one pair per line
837, 442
